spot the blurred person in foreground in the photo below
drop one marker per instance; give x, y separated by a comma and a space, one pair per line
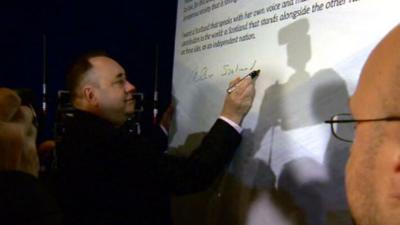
22, 198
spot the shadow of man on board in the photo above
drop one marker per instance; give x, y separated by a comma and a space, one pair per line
305, 101
272, 165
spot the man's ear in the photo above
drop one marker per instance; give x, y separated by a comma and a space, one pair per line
89, 94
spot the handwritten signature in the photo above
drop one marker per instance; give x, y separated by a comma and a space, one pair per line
202, 74
232, 69
228, 69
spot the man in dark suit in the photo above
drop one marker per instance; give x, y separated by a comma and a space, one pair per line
108, 175
22, 199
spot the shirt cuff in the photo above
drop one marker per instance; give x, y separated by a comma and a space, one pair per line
233, 124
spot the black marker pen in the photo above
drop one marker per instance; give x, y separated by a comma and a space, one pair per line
253, 75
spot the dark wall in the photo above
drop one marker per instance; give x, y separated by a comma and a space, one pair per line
127, 30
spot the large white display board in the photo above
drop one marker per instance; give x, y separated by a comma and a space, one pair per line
310, 54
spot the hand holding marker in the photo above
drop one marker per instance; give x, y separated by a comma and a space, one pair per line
253, 75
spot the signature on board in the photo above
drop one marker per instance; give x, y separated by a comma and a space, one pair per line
204, 72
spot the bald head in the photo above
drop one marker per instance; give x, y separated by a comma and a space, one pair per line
372, 173
78, 74
381, 77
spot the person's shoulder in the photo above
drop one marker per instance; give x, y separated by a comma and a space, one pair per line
79, 130
79, 122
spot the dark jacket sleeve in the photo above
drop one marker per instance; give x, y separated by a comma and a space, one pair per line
198, 172
24, 201
159, 139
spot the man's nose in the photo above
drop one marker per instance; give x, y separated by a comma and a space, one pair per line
130, 88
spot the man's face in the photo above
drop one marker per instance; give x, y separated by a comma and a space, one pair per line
114, 92
371, 180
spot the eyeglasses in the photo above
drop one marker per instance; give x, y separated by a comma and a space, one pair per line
343, 124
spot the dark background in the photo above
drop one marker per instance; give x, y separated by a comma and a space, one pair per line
128, 30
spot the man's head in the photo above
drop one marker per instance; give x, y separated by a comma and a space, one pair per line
373, 170
98, 84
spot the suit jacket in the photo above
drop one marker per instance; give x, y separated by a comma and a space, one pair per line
108, 176
23, 201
